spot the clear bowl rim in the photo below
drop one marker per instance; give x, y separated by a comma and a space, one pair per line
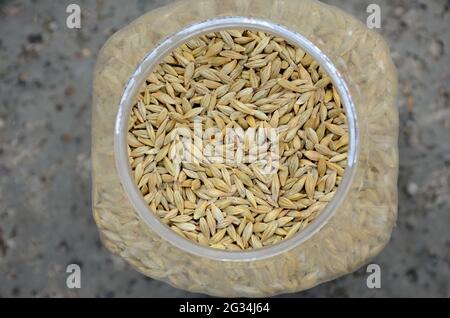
132, 88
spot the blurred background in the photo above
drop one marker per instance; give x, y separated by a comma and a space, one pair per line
45, 201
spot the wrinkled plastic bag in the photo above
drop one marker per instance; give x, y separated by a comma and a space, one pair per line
361, 226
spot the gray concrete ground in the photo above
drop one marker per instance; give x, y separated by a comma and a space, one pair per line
45, 100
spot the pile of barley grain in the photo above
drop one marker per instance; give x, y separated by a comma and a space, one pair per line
239, 79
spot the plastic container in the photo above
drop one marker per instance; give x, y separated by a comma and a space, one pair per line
355, 225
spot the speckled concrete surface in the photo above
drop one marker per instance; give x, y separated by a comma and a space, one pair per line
45, 216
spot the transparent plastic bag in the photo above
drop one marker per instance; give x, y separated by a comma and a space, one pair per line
361, 222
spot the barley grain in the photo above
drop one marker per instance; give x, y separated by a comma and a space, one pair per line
246, 80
